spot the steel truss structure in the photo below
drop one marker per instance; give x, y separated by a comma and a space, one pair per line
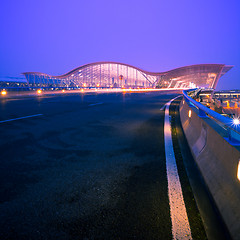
116, 75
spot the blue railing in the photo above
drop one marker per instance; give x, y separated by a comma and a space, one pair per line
232, 128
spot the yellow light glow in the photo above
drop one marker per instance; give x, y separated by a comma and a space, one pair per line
98, 85
63, 90
3, 92
189, 113
238, 171
39, 91
82, 90
84, 85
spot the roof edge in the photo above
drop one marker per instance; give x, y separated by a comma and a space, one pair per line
128, 65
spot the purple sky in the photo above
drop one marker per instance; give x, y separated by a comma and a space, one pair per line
54, 36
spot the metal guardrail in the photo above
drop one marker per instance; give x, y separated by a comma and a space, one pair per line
233, 129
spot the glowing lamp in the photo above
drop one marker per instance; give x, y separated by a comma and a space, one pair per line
238, 171
3, 92
189, 113
228, 105
39, 91
236, 121
121, 77
63, 90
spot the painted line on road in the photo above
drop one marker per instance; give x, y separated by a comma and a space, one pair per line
94, 104
180, 224
14, 119
162, 108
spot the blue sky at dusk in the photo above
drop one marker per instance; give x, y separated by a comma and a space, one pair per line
54, 36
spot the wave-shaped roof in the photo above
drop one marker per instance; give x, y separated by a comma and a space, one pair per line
180, 69
202, 75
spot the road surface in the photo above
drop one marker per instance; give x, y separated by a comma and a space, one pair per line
86, 166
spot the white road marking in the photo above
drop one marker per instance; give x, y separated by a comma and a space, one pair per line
180, 224
14, 119
94, 104
162, 108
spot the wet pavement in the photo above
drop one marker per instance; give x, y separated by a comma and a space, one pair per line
92, 166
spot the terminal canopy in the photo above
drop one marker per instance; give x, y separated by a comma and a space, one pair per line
116, 75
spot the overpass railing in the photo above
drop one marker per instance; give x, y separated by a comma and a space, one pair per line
231, 125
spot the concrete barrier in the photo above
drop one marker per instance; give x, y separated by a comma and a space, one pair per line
217, 160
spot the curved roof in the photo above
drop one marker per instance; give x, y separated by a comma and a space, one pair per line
219, 67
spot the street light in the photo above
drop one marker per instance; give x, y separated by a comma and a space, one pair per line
3, 92
236, 121
238, 171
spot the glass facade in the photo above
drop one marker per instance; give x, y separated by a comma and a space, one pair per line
118, 75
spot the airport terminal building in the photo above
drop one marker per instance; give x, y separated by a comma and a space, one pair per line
120, 75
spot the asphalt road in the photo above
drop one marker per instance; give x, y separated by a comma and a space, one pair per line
91, 166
